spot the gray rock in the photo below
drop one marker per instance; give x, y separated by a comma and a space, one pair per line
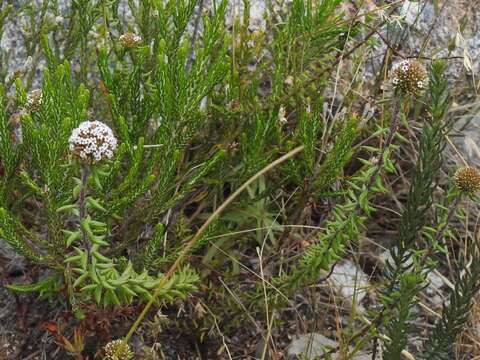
349, 281
8, 304
11, 260
312, 345
309, 346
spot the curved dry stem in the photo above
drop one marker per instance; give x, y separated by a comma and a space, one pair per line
183, 255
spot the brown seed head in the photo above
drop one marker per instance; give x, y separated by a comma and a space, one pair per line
15, 122
410, 76
467, 179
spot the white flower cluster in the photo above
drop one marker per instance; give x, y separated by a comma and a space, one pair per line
130, 40
410, 76
403, 66
93, 140
34, 100
117, 350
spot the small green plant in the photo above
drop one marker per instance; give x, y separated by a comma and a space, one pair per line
86, 182
410, 260
444, 336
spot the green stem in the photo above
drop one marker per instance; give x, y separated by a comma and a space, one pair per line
82, 206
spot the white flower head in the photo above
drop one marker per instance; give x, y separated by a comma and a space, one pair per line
34, 100
130, 40
93, 141
117, 350
410, 76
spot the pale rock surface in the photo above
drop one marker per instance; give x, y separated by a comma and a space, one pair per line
312, 345
349, 282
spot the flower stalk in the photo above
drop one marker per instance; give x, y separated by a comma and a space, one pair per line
85, 173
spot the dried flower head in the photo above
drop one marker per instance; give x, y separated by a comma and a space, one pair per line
93, 141
117, 350
467, 179
34, 100
410, 76
282, 118
130, 40
15, 122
